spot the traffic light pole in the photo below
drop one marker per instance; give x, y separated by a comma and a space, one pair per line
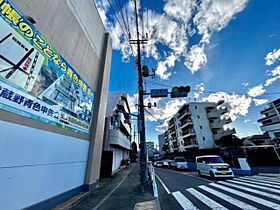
141, 116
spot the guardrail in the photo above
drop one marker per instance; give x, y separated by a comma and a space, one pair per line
153, 178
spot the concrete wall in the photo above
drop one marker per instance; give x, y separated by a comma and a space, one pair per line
39, 161
36, 165
199, 109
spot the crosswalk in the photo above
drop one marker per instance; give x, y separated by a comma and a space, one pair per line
251, 192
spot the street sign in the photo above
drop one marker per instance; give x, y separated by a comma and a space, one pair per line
155, 93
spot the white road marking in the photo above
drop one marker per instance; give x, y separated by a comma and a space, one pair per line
248, 196
197, 177
227, 198
209, 202
164, 186
255, 186
183, 201
267, 179
269, 195
257, 182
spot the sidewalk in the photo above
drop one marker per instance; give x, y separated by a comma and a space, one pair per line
122, 192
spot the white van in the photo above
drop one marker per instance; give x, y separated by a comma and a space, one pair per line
213, 166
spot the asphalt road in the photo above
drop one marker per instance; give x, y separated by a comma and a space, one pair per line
187, 190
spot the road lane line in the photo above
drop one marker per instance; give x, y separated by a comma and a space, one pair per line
207, 201
269, 195
206, 180
228, 198
248, 196
247, 178
183, 201
255, 186
109, 194
164, 186
259, 183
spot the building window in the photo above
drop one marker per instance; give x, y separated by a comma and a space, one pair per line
200, 127
195, 107
203, 138
214, 132
198, 117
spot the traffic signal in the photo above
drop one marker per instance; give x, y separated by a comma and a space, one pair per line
181, 91
116, 121
126, 117
145, 71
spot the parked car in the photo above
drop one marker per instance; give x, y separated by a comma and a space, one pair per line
158, 164
172, 164
213, 166
180, 163
165, 164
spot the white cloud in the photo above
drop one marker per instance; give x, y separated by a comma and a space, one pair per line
179, 10
276, 71
237, 104
196, 58
271, 81
247, 120
256, 91
172, 29
199, 89
162, 69
245, 84
272, 57
164, 111
259, 102
215, 15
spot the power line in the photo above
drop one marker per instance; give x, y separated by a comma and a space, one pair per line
116, 15
154, 117
122, 16
212, 92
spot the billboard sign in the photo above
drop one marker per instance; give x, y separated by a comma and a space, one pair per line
35, 80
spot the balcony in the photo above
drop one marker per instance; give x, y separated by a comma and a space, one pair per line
119, 139
186, 123
188, 133
218, 124
227, 132
215, 113
186, 113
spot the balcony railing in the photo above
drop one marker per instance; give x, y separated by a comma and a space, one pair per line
217, 112
218, 124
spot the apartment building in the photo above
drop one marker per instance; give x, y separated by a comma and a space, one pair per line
197, 125
271, 120
161, 142
150, 148
116, 144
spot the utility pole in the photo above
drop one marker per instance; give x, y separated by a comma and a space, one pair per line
141, 116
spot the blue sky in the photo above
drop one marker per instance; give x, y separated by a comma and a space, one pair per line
231, 49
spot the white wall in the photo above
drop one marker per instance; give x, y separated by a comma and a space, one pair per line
204, 122
36, 165
117, 158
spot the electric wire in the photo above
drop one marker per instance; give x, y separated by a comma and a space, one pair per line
122, 16
154, 117
212, 92
116, 15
